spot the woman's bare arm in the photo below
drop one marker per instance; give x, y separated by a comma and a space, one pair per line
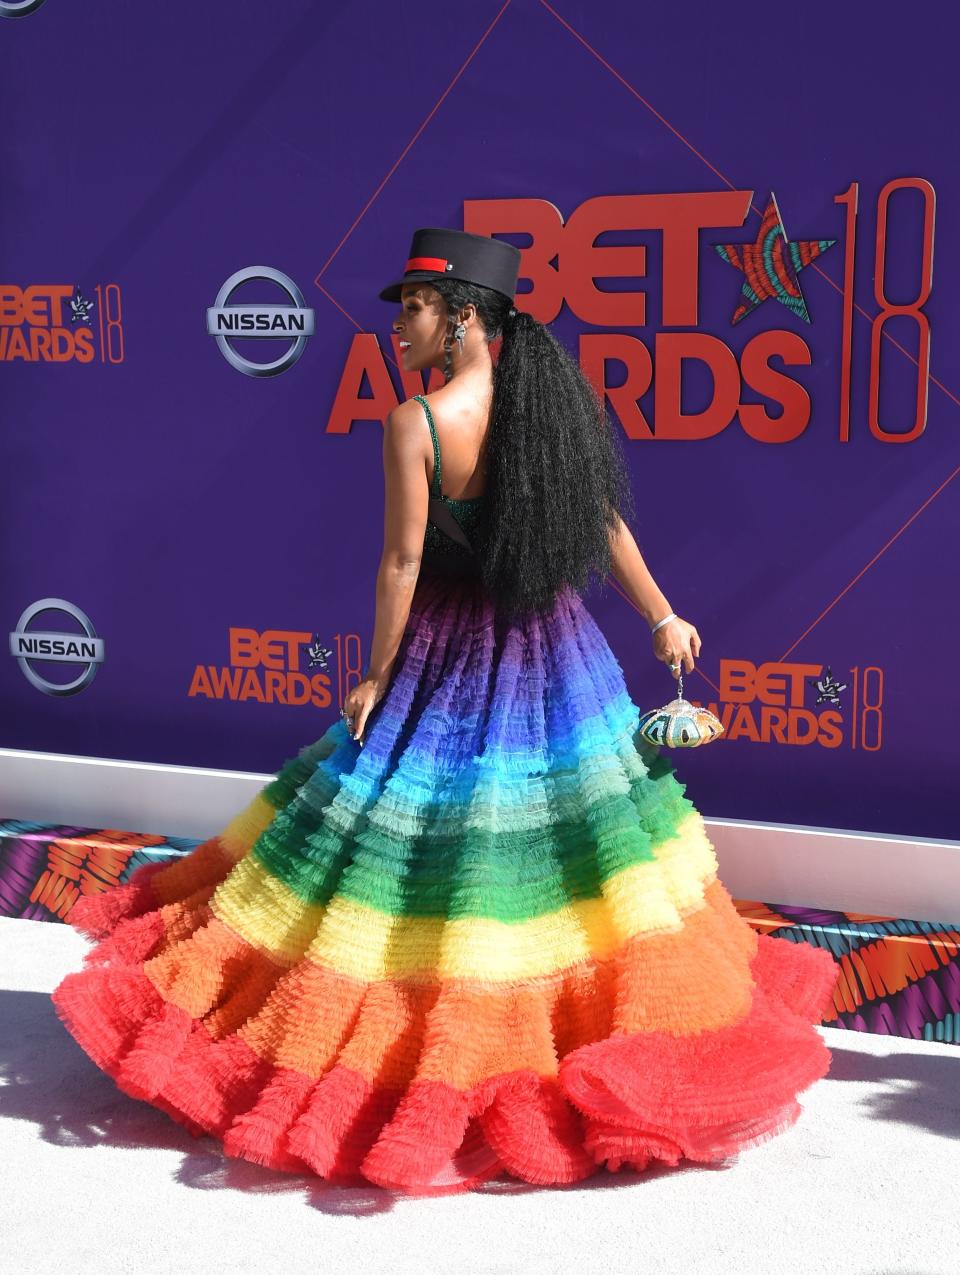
630, 570
404, 523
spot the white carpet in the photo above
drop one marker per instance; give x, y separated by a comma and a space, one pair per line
865, 1183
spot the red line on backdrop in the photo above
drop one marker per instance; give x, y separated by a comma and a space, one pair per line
916, 513
639, 96
345, 313
613, 71
727, 182
880, 552
399, 161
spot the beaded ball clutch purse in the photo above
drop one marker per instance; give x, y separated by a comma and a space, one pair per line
680, 724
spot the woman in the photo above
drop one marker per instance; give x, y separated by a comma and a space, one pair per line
476, 927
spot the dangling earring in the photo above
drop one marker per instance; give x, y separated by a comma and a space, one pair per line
458, 333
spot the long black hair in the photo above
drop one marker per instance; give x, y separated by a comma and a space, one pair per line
556, 474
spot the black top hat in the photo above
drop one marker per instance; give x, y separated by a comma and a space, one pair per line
436, 253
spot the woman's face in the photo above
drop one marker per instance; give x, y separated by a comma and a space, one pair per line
422, 322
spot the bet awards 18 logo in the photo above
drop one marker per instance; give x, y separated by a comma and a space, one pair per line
277, 667
58, 323
657, 338
767, 704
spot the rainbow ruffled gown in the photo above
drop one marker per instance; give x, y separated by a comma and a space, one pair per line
491, 940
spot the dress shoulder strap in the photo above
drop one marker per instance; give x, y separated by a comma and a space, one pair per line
435, 486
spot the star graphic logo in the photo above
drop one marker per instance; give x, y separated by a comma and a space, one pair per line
80, 307
771, 264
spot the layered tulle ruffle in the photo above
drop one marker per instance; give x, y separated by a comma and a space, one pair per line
493, 939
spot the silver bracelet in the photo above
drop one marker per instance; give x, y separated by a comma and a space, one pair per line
660, 623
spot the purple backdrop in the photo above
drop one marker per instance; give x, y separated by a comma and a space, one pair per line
151, 153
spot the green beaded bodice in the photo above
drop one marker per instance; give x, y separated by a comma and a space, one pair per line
440, 549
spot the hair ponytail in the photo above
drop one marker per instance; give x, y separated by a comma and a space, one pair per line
556, 475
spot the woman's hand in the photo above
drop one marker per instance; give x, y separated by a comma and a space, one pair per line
677, 642
359, 703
